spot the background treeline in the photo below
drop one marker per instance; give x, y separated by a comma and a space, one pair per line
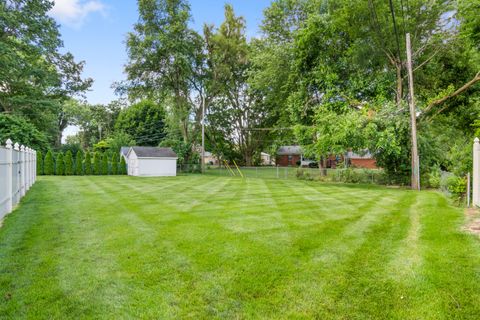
327, 75
65, 164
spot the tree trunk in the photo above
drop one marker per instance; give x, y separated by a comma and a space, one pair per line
322, 166
248, 157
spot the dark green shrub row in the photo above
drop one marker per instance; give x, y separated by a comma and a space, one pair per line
66, 165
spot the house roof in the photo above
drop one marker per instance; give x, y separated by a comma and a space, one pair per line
153, 152
289, 150
124, 150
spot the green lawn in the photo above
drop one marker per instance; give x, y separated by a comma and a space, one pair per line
217, 247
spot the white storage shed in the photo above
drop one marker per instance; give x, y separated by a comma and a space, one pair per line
151, 162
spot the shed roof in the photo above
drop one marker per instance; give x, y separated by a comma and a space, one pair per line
289, 150
154, 152
124, 151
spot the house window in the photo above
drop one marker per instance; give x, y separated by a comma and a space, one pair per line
289, 159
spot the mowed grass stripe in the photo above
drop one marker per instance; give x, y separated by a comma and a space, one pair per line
221, 247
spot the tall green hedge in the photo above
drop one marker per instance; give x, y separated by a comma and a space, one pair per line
60, 165
102, 164
105, 164
97, 163
79, 163
69, 163
115, 163
123, 166
48, 164
39, 163
88, 164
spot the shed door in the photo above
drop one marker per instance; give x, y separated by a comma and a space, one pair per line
133, 167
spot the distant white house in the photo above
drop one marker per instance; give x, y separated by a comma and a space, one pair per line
266, 159
151, 162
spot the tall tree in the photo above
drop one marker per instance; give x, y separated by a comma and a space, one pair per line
166, 63
144, 122
49, 165
60, 165
105, 164
348, 58
79, 170
122, 168
88, 164
69, 170
39, 163
97, 163
115, 163
236, 110
35, 77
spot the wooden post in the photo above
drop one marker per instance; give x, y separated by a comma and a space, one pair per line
9, 177
413, 120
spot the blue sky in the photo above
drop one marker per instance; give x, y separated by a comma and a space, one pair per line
95, 31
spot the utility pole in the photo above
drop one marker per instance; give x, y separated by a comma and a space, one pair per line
413, 119
203, 134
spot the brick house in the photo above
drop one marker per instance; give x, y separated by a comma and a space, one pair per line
366, 160
288, 156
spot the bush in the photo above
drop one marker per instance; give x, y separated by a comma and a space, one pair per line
39, 163
18, 129
303, 174
457, 187
69, 163
350, 175
97, 164
123, 166
79, 163
115, 163
48, 164
60, 165
434, 178
88, 164
105, 164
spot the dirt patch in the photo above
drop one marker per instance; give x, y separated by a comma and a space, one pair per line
473, 220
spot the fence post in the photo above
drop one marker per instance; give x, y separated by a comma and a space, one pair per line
30, 167
16, 173
277, 173
468, 190
27, 169
22, 171
476, 172
34, 166
30, 172
9, 180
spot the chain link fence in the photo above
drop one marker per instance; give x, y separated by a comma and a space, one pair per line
329, 175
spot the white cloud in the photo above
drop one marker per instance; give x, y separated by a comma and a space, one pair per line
74, 12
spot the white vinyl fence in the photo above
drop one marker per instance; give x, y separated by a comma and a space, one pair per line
18, 172
476, 172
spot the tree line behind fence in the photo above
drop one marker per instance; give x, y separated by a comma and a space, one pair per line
95, 163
